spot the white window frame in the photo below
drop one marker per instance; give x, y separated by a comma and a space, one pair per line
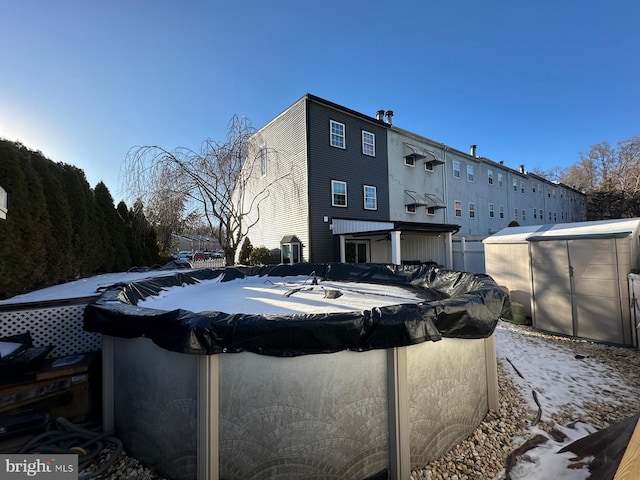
490, 176
410, 209
365, 197
456, 169
409, 161
524, 216
457, 208
521, 186
368, 147
515, 184
501, 211
469, 173
472, 210
335, 183
337, 139
428, 166
430, 211
500, 180
492, 212
515, 214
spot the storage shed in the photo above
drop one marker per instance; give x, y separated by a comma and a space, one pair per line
571, 277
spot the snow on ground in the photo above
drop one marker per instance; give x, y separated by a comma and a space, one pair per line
279, 295
564, 383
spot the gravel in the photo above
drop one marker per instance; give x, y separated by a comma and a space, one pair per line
484, 454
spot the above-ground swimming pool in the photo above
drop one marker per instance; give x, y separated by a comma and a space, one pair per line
317, 373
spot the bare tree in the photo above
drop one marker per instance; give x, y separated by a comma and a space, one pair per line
607, 168
212, 183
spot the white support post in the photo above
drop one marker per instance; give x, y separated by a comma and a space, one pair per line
449, 250
396, 253
343, 250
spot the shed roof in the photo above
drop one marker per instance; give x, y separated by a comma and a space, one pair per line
597, 229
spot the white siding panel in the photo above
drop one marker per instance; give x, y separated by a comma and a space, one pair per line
285, 210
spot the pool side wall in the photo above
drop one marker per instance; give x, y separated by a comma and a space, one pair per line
344, 415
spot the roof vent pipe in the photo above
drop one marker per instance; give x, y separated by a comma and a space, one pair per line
389, 114
472, 150
380, 115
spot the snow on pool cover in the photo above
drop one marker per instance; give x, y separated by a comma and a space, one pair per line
281, 296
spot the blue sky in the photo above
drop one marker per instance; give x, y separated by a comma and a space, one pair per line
533, 83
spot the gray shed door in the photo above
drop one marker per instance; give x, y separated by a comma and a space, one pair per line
577, 289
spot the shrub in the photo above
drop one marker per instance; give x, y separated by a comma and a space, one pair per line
245, 252
261, 256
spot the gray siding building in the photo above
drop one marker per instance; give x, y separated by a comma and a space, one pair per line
345, 186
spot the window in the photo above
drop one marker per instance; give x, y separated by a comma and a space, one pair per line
410, 208
470, 173
472, 210
515, 213
523, 215
456, 169
515, 185
370, 198
521, 186
501, 211
491, 211
549, 216
534, 214
409, 161
555, 217
368, 143
490, 176
431, 210
458, 208
428, 166
500, 178
338, 193
549, 192
533, 187
337, 134
263, 161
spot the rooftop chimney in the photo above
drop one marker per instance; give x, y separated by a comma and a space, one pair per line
522, 169
380, 115
389, 114
472, 150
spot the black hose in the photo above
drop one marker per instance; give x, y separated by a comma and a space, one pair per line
533, 392
63, 436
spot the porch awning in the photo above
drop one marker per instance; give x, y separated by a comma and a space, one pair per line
428, 200
342, 226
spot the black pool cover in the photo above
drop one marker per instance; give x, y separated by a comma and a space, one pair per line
457, 304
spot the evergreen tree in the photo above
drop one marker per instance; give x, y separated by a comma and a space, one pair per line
115, 256
58, 243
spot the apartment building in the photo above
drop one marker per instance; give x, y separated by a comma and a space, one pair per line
346, 186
